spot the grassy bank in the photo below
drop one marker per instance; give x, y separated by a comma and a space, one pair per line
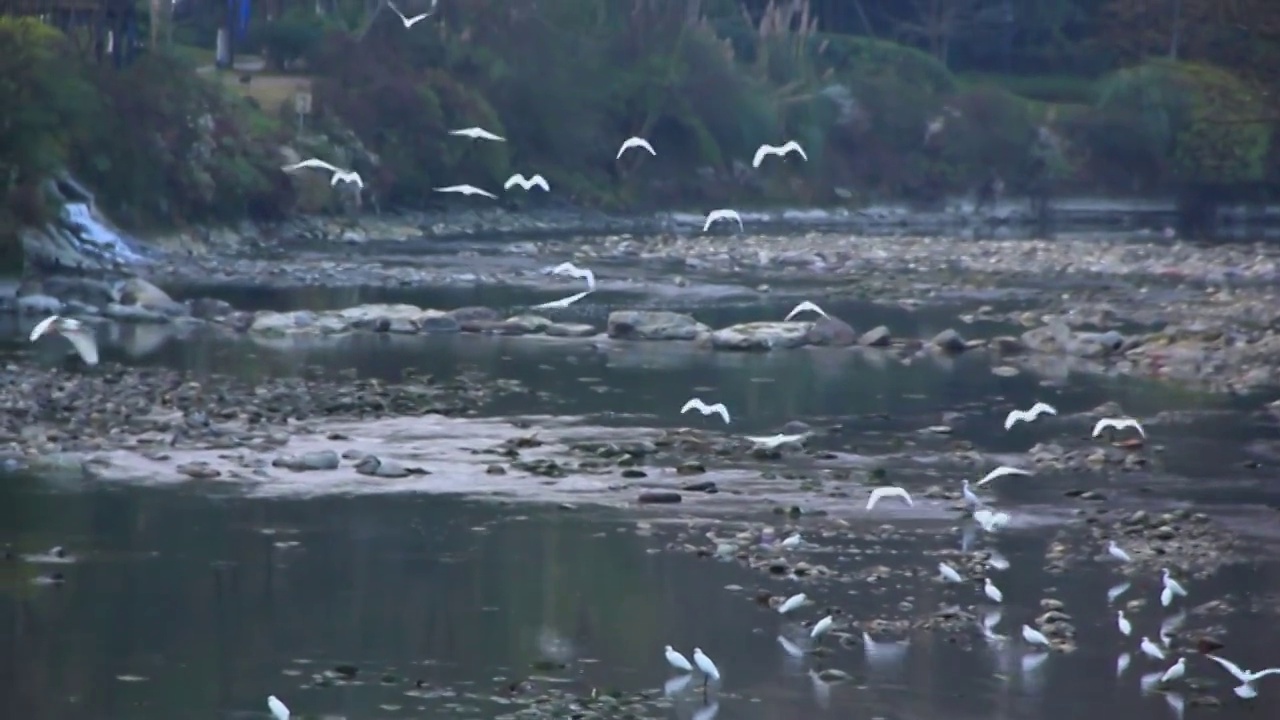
168, 141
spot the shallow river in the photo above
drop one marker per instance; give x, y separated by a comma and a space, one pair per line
198, 602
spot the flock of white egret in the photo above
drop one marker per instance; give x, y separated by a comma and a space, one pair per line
1038, 643
343, 175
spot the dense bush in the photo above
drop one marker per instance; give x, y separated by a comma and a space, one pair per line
1200, 122
167, 149
292, 37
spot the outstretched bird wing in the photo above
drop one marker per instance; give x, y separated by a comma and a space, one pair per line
42, 327
85, 344
762, 152
312, 163
516, 179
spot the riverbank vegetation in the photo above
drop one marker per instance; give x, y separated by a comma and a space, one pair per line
891, 100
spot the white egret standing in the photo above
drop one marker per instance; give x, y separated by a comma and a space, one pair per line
1151, 649
1118, 552
709, 670
1033, 636
278, 709
792, 541
1122, 622
1171, 588
795, 602
971, 500
992, 591
821, 628
677, 661
1175, 672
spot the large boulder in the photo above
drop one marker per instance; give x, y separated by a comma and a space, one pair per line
653, 325
766, 335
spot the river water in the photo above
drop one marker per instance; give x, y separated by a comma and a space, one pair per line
193, 602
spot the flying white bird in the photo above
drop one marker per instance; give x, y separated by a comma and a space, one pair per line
721, 214
949, 574
526, 183
678, 661
774, 441
1151, 649
884, 492
992, 591
708, 668
1171, 588
802, 307
80, 337
792, 541
1175, 672
411, 21
991, 521
780, 150
1001, 472
1118, 552
635, 142
562, 302
1029, 415
971, 500
794, 602
705, 409
477, 133
466, 190
278, 709
1034, 637
568, 268
339, 174
1122, 622
1118, 424
821, 628
1246, 677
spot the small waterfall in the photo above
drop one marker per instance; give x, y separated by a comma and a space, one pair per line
96, 233
79, 238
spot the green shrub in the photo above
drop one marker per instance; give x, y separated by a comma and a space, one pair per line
170, 148
1056, 89
844, 56
44, 101
1203, 123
